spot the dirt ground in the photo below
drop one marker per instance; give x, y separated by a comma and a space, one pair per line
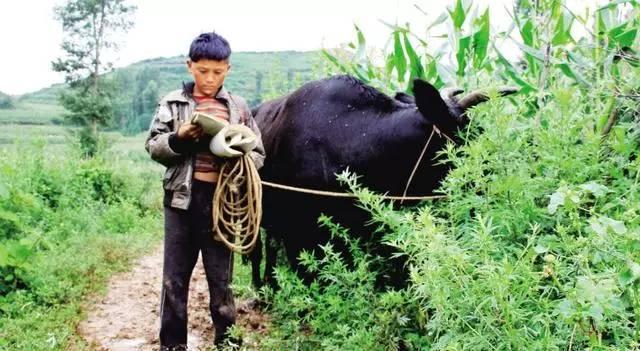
127, 317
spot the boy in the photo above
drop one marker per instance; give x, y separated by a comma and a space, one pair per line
189, 183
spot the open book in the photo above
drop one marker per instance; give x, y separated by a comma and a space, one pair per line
229, 140
210, 124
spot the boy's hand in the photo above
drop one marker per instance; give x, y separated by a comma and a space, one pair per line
190, 131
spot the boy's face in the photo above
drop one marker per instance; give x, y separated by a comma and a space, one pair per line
208, 75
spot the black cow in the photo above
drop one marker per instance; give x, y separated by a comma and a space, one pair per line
329, 125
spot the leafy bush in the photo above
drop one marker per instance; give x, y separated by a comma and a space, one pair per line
66, 223
341, 310
536, 244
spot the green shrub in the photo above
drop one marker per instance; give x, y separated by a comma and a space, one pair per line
341, 309
536, 245
66, 224
121, 217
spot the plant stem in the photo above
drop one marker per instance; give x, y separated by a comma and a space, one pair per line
572, 334
543, 81
613, 117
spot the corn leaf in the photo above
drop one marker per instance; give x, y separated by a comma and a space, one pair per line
458, 15
399, 59
481, 40
417, 71
464, 47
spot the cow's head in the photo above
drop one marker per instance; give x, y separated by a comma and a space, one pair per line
403, 146
447, 109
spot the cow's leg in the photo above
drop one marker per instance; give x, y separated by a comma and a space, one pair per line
271, 253
256, 259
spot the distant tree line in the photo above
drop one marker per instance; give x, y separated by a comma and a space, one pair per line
136, 99
6, 101
138, 91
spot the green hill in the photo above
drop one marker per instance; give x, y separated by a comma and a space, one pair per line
40, 108
256, 76
248, 69
170, 72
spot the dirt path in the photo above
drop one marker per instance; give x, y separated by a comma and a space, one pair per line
127, 317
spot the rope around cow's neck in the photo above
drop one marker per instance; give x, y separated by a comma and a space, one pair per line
237, 205
384, 197
237, 201
434, 130
346, 195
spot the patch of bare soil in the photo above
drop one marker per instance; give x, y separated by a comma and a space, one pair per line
127, 318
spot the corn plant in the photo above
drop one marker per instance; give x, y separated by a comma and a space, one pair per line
542, 30
537, 244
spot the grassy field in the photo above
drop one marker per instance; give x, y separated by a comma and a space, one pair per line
11, 133
67, 224
39, 113
535, 246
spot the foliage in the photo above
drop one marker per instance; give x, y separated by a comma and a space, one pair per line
6, 101
536, 244
88, 109
89, 26
66, 224
341, 310
472, 52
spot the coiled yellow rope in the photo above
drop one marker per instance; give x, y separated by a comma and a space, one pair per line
237, 205
237, 201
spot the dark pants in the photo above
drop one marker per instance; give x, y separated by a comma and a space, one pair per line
186, 233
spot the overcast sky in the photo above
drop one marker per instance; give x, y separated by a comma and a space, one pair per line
30, 37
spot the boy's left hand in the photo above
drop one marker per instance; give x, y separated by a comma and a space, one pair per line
190, 131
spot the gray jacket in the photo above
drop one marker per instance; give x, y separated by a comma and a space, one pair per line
164, 146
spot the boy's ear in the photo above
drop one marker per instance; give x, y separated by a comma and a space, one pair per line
189, 64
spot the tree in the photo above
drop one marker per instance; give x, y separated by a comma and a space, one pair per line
6, 101
144, 77
150, 97
90, 27
138, 94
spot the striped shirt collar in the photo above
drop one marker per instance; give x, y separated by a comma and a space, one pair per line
187, 93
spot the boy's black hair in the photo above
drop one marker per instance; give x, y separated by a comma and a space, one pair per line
209, 46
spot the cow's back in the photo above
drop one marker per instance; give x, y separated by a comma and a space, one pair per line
307, 136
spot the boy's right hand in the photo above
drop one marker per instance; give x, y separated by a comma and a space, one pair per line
190, 131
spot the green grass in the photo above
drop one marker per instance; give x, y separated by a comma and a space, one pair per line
66, 225
32, 113
127, 144
537, 243
73, 269
16, 133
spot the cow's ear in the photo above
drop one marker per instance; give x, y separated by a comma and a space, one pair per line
432, 106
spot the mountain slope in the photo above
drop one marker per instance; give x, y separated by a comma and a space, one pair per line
256, 76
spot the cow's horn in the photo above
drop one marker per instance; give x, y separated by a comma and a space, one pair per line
477, 96
450, 93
